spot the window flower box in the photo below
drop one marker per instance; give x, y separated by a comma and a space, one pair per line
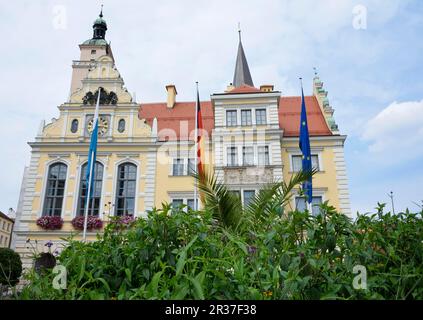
50, 222
93, 222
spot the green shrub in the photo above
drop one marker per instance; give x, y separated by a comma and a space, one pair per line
177, 255
10, 267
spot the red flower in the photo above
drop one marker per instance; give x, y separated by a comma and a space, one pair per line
50, 222
93, 222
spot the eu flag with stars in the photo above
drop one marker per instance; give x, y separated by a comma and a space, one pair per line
305, 149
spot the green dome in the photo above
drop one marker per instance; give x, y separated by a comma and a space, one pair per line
100, 20
95, 42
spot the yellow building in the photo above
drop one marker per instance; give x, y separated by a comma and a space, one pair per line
145, 151
6, 228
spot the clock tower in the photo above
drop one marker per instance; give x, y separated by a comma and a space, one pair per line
91, 50
126, 152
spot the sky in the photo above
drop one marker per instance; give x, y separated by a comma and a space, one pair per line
368, 53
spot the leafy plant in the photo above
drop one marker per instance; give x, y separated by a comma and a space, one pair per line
10, 267
264, 251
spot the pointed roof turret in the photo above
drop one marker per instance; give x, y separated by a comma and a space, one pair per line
242, 75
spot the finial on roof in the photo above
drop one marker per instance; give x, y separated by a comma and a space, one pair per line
315, 71
101, 12
239, 31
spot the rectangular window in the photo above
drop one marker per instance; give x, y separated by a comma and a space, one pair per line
232, 156
246, 117
178, 167
176, 203
261, 118
315, 162
247, 156
190, 204
6, 241
248, 196
191, 166
93, 51
231, 118
297, 162
263, 155
236, 193
315, 205
301, 205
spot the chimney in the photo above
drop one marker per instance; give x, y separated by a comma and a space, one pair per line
171, 95
230, 87
266, 88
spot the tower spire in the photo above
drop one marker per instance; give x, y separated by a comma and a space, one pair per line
242, 73
239, 31
99, 26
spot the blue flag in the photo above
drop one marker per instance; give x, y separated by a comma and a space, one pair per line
305, 149
92, 154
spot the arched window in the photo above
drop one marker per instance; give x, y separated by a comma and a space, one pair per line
94, 205
125, 193
121, 125
55, 190
74, 126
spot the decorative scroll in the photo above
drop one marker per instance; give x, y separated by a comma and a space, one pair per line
105, 98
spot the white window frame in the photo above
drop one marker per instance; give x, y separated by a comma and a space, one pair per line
319, 160
255, 116
253, 162
240, 154
238, 120
77, 185
268, 152
252, 111
185, 200
137, 184
45, 184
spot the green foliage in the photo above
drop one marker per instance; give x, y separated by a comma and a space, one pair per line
263, 252
10, 267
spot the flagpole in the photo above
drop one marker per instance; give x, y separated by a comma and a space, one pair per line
196, 150
87, 205
90, 176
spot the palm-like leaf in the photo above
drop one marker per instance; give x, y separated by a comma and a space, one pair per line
275, 196
225, 206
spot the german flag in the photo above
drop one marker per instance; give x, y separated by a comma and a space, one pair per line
199, 138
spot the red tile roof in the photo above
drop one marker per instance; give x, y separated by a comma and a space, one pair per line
290, 113
177, 123
244, 89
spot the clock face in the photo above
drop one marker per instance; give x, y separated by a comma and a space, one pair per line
103, 126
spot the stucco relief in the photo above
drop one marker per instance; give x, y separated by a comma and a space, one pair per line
250, 175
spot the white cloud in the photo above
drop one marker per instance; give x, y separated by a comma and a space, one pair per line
397, 130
